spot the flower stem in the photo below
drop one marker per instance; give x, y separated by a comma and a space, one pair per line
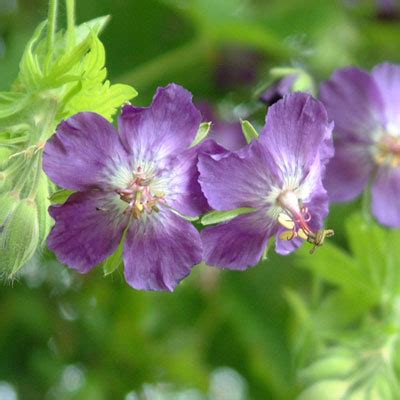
366, 204
51, 29
70, 5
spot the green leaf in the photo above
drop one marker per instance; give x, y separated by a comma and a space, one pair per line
92, 93
96, 25
215, 217
202, 133
60, 196
30, 71
12, 103
337, 267
249, 131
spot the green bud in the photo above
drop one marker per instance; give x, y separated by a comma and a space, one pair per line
5, 152
337, 365
326, 390
382, 388
19, 236
8, 204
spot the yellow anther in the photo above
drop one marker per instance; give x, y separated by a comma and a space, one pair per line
287, 235
301, 234
286, 221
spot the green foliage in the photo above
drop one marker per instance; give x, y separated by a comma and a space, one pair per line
53, 83
337, 331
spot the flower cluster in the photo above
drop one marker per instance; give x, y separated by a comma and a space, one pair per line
142, 184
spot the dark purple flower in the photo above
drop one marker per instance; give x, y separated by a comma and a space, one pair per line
278, 89
237, 66
279, 175
366, 111
137, 180
227, 134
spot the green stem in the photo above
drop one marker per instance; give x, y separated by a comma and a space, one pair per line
316, 289
173, 61
51, 29
366, 204
70, 5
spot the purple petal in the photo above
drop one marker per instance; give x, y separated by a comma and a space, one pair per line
236, 180
285, 247
166, 128
354, 102
297, 131
385, 195
239, 243
182, 175
387, 77
160, 252
348, 172
88, 229
86, 153
228, 134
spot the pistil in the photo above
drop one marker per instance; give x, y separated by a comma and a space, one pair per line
295, 219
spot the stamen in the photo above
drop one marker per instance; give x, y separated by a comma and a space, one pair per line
387, 151
138, 195
295, 218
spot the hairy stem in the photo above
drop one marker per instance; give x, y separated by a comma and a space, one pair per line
70, 5
51, 29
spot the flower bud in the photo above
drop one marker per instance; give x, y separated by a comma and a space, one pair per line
328, 390
5, 152
8, 203
19, 235
337, 365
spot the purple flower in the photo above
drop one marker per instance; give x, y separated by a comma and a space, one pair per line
366, 111
279, 176
227, 134
138, 181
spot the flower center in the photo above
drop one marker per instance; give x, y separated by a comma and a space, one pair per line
295, 218
139, 196
388, 151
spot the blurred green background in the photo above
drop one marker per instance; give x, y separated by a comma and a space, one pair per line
221, 335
